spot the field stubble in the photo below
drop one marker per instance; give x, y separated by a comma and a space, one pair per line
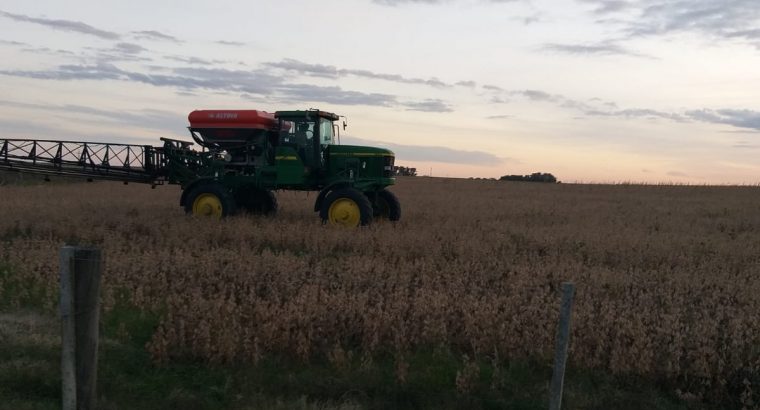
668, 278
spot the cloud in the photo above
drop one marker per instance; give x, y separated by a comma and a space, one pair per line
69, 72
230, 43
499, 117
154, 35
258, 84
609, 104
397, 2
737, 118
146, 118
747, 119
194, 60
330, 71
13, 43
753, 34
429, 105
317, 70
49, 51
401, 2
537, 95
606, 48
119, 52
63, 25
745, 145
335, 95
217, 79
425, 153
725, 19
609, 6
595, 107
637, 113
63, 122
705, 16
70, 132
21, 129
532, 19
186, 78
129, 48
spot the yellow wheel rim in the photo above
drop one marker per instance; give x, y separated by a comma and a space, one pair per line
344, 212
207, 205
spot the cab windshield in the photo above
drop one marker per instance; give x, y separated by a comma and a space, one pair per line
325, 131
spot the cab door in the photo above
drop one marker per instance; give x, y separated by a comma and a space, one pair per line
290, 167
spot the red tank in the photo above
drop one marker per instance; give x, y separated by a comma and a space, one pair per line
232, 129
232, 119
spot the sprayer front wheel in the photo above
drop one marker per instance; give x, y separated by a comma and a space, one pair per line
346, 207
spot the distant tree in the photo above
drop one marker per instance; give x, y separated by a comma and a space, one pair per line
404, 171
534, 177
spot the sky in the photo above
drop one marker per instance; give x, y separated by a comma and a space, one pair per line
653, 91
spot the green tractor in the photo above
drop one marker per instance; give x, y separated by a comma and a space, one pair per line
248, 154
245, 155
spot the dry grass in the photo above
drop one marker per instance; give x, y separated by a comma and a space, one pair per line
28, 328
668, 278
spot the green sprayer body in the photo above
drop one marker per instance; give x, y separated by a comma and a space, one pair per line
244, 156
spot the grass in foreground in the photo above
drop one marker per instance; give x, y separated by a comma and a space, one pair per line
30, 377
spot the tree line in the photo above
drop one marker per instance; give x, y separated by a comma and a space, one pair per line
534, 177
404, 171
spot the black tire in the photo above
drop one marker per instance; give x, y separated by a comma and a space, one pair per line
346, 207
216, 201
256, 201
385, 205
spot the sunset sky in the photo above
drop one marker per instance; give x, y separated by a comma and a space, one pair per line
589, 90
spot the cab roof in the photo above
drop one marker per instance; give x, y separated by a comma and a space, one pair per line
307, 114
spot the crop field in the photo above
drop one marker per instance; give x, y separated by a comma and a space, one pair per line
667, 278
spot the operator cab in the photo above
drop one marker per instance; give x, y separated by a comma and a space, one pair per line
308, 132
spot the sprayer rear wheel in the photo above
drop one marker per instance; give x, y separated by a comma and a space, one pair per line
256, 201
385, 205
210, 200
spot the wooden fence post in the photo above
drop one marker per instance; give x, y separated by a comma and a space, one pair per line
560, 354
80, 270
